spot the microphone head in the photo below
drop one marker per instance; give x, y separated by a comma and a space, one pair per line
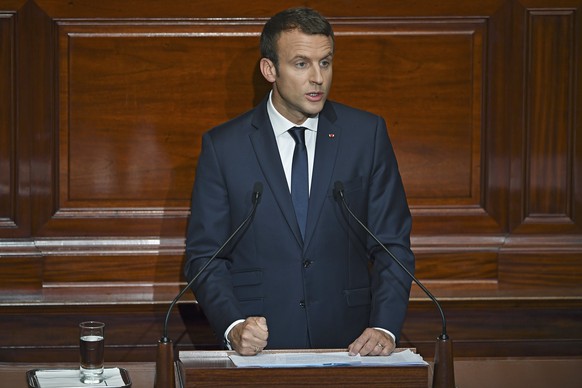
257, 191
338, 190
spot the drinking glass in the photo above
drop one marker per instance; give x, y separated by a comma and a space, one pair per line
92, 341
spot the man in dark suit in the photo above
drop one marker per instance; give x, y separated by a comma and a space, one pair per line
302, 274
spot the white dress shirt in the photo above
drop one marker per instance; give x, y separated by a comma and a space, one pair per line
285, 142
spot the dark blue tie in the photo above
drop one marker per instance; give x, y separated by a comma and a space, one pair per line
299, 178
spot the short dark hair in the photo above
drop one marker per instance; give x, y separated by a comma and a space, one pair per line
306, 20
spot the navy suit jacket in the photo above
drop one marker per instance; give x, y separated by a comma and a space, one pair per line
321, 292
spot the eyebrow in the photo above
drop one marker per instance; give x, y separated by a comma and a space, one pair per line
330, 54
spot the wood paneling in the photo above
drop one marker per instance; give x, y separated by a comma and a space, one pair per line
20, 273
134, 102
498, 323
132, 330
131, 97
102, 107
7, 121
548, 262
436, 133
550, 113
547, 149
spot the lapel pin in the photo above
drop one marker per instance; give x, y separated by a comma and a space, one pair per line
331, 135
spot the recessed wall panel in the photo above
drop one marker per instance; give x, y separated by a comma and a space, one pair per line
134, 106
7, 123
427, 82
550, 113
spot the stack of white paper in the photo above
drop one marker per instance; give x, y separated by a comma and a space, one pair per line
290, 360
70, 378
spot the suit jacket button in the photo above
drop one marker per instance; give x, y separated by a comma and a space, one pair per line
302, 304
307, 263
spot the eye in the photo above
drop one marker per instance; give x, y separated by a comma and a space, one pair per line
301, 65
325, 63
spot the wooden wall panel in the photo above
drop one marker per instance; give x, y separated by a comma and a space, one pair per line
102, 107
455, 266
499, 327
36, 114
134, 101
547, 262
128, 268
20, 273
550, 117
547, 148
8, 164
131, 97
134, 104
60, 342
427, 81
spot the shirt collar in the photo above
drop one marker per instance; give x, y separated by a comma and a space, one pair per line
281, 124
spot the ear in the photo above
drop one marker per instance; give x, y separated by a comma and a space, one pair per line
268, 69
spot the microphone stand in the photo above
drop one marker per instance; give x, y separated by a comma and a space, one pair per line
165, 372
444, 374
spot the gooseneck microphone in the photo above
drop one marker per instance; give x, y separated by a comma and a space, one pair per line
338, 193
443, 370
165, 357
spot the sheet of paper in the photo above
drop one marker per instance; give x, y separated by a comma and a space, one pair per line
69, 378
290, 360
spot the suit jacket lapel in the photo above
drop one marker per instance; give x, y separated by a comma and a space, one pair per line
328, 137
265, 146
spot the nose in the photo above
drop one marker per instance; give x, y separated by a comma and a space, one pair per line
316, 76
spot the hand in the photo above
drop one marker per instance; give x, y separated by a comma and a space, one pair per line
372, 342
249, 337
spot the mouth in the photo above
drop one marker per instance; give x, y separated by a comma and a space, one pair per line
315, 96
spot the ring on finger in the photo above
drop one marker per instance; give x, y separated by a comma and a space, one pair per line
380, 345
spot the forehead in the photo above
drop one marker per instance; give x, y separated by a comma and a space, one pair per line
296, 43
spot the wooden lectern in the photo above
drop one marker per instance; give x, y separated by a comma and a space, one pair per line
215, 369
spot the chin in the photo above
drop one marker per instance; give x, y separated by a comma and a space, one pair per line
315, 109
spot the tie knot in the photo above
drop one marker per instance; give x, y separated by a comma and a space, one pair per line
298, 134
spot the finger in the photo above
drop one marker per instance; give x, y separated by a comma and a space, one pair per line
246, 351
369, 340
261, 329
379, 349
246, 346
374, 342
353, 350
262, 323
356, 346
259, 333
384, 346
251, 349
257, 336
252, 336
371, 348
